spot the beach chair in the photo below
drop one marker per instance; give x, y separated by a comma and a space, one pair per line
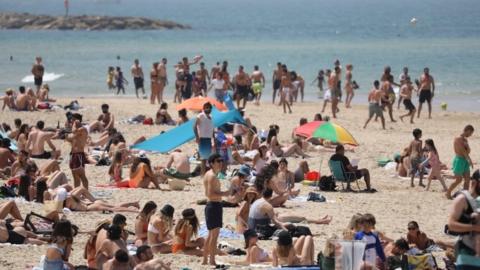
341, 175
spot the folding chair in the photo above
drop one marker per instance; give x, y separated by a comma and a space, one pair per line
341, 175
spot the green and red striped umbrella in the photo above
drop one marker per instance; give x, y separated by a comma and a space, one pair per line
327, 131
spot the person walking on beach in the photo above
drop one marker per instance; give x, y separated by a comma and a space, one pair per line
154, 84
286, 88
37, 71
204, 134
258, 83
320, 80
349, 86
402, 79
374, 108
426, 92
162, 79
415, 150
137, 74
389, 95
203, 76
78, 157
335, 92
213, 209
120, 81
276, 79
327, 94
406, 94
242, 85
461, 162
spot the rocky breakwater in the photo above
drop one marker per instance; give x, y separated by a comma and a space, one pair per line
84, 22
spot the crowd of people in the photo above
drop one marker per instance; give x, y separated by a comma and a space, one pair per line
30, 162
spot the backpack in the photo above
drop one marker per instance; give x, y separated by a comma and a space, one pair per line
326, 183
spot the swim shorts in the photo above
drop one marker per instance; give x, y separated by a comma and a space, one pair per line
78, 160
257, 88
15, 238
45, 155
214, 215
409, 105
242, 91
138, 81
205, 148
375, 109
276, 84
460, 166
38, 81
415, 162
172, 172
425, 95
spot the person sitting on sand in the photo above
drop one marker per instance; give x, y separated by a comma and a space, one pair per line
141, 175
186, 228
374, 254
415, 154
262, 212
22, 101
252, 142
178, 166
80, 199
278, 186
109, 246
32, 100
285, 179
7, 158
142, 221
398, 258
120, 261
241, 215
255, 254
58, 253
283, 151
182, 117
43, 94
143, 254
22, 137
162, 117
238, 186
301, 170
8, 99
289, 253
105, 121
359, 173
261, 158
36, 143
159, 229
418, 239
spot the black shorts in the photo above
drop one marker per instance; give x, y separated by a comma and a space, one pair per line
409, 105
425, 95
276, 84
38, 81
15, 238
214, 215
138, 81
45, 155
242, 91
358, 174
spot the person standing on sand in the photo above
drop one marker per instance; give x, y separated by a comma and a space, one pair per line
242, 85
185, 66
213, 209
349, 86
415, 150
203, 76
137, 74
204, 134
276, 79
327, 94
120, 81
286, 88
215, 69
38, 70
406, 94
402, 79
387, 87
162, 79
78, 158
335, 92
258, 83
426, 92
374, 108
154, 84
461, 162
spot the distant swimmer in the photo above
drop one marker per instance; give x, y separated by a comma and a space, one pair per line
11, 57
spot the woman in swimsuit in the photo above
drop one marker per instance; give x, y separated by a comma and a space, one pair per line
349, 86
109, 246
261, 158
154, 84
283, 151
22, 137
58, 253
288, 252
187, 228
80, 199
251, 141
255, 254
141, 223
435, 165
158, 230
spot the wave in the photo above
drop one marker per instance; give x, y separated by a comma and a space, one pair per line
47, 77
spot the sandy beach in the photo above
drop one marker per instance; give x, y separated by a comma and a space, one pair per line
394, 205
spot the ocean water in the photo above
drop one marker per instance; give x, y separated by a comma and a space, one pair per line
307, 35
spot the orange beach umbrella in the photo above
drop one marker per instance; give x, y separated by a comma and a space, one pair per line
196, 104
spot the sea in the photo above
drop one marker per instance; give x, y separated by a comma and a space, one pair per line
306, 35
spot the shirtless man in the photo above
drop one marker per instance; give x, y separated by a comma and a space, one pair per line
426, 92
258, 83
402, 79
406, 94
389, 95
104, 122
38, 70
277, 77
215, 69
36, 143
462, 161
286, 88
121, 261
177, 166
335, 90
203, 78
78, 158
415, 154
185, 66
374, 108
213, 209
242, 83
162, 78
6, 156
137, 74
22, 100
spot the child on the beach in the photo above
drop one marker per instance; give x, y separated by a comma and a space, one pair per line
374, 254
435, 164
415, 153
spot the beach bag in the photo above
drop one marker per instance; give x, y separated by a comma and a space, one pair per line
265, 232
148, 121
326, 183
312, 176
298, 231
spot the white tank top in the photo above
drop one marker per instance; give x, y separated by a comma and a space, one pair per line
205, 126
